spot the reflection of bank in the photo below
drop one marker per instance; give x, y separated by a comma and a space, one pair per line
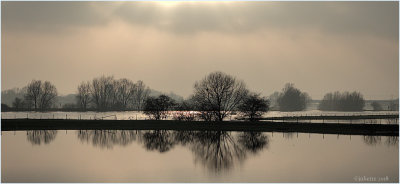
37, 137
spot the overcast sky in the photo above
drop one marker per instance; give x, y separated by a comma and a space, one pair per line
319, 46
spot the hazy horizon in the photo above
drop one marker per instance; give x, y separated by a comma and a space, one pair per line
321, 47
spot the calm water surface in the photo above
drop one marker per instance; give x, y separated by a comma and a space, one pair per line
192, 156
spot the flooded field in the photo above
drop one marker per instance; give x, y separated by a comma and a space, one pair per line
195, 156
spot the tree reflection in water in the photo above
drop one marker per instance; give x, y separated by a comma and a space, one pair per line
372, 140
37, 137
218, 151
253, 141
288, 135
375, 140
160, 140
392, 141
107, 138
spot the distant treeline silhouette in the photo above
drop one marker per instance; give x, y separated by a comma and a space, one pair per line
106, 93
217, 96
37, 96
345, 101
292, 99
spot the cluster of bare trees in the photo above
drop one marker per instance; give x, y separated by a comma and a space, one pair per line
106, 93
215, 97
292, 99
39, 95
345, 101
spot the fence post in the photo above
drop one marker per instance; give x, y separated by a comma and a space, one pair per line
66, 116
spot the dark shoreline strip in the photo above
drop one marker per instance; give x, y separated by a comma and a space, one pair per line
322, 128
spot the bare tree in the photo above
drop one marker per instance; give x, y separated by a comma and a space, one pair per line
83, 96
41, 95
18, 103
140, 95
49, 94
33, 93
102, 92
107, 93
217, 95
254, 106
125, 91
157, 108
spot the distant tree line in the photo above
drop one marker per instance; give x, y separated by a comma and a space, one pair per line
216, 97
376, 106
38, 96
345, 101
106, 93
101, 94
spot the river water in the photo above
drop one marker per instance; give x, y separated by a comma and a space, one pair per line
193, 156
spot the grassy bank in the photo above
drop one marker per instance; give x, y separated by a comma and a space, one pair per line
323, 128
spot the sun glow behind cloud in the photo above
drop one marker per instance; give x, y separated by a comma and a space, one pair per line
168, 4
173, 4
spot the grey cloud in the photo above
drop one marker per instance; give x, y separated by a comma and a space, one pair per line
49, 16
378, 18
